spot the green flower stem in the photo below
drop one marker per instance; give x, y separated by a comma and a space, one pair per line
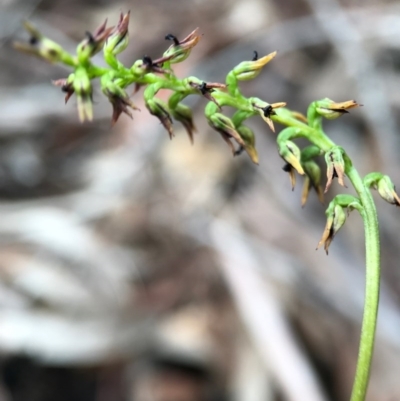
95, 71
233, 87
170, 72
317, 137
310, 152
210, 109
175, 98
313, 117
68, 59
282, 116
371, 304
240, 116
161, 83
226, 99
113, 62
372, 247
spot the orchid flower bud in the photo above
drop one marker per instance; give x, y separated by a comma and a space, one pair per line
225, 127
387, 190
250, 142
290, 152
44, 48
118, 98
335, 166
336, 217
247, 70
183, 114
312, 179
93, 43
118, 40
159, 108
384, 185
180, 49
330, 110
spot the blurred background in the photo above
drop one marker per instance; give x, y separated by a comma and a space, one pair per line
135, 268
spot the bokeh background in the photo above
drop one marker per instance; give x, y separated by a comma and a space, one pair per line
135, 268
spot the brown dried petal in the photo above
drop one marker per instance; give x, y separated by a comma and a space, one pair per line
65, 87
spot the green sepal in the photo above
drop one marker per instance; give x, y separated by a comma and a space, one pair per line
159, 108
336, 166
83, 91
336, 217
250, 142
183, 114
291, 153
384, 185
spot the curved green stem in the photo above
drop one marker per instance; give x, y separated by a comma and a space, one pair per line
226, 99
240, 116
372, 248
371, 303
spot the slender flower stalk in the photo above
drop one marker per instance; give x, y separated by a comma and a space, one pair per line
366, 207
155, 75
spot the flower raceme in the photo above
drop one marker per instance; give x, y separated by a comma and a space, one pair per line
157, 74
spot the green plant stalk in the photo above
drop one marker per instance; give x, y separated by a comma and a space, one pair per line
372, 249
372, 255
